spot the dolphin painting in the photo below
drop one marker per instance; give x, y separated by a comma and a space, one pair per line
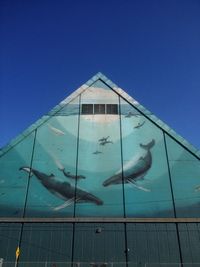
103, 143
130, 114
63, 190
104, 139
139, 125
134, 170
97, 152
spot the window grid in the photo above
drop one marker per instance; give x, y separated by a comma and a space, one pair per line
90, 109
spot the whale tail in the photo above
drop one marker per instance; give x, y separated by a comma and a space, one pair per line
149, 145
27, 169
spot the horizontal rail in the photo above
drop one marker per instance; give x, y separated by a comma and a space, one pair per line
98, 220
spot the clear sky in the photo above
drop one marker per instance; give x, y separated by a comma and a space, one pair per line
150, 48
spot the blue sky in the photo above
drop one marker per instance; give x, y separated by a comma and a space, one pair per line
150, 48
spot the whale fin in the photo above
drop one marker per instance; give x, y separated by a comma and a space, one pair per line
27, 169
149, 145
138, 186
67, 203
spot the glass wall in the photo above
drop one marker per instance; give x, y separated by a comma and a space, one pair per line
13, 181
146, 176
52, 186
99, 156
185, 176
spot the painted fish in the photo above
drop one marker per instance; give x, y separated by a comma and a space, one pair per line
130, 114
63, 190
103, 139
139, 125
134, 170
97, 152
103, 143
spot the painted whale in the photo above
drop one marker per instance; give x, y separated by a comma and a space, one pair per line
72, 176
134, 170
63, 190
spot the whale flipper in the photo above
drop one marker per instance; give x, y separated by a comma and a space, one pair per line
132, 183
65, 204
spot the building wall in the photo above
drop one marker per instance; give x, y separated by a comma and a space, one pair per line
90, 163
150, 243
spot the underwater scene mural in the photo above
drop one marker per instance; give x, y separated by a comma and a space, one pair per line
99, 156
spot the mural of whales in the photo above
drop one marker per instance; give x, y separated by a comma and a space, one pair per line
134, 170
63, 190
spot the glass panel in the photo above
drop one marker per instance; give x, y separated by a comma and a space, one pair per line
185, 173
99, 108
152, 243
146, 177
87, 109
9, 239
52, 185
14, 182
99, 157
111, 109
99, 243
46, 242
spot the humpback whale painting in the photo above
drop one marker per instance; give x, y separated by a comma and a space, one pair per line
134, 170
108, 164
63, 190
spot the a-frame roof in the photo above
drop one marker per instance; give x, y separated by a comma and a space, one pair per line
121, 93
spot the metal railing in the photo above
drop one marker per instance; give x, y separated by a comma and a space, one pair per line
92, 264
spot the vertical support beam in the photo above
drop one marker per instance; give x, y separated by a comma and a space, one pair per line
26, 197
173, 201
123, 188
77, 156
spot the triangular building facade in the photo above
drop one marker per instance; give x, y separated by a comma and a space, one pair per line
99, 180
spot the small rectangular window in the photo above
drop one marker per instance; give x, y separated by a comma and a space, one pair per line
99, 109
112, 109
87, 109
